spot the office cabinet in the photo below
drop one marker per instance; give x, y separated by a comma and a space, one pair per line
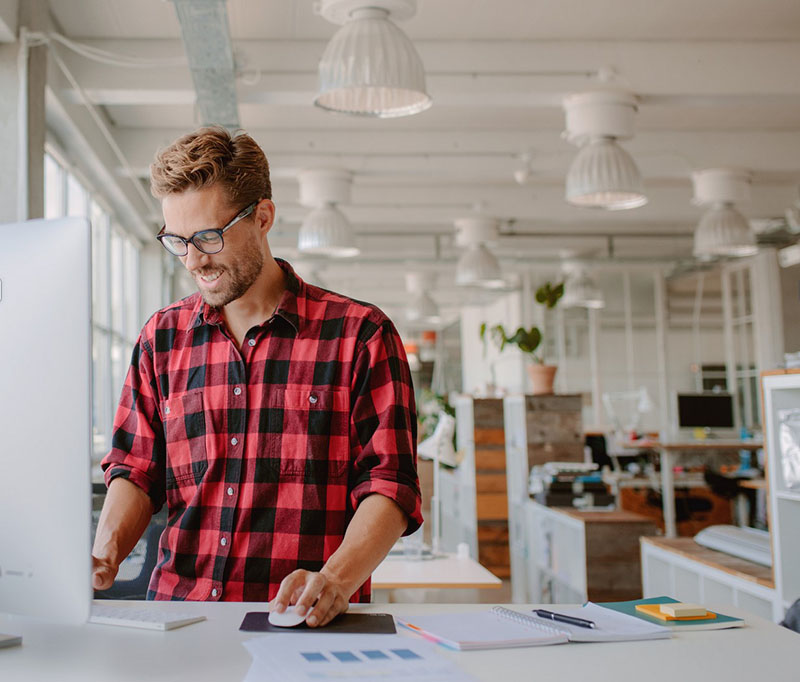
538, 429
576, 555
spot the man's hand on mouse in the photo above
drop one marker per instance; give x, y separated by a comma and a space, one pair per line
318, 596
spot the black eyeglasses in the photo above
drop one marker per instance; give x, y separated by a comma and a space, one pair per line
205, 241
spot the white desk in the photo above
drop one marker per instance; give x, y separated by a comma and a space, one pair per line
444, 571
667, 452
212, 651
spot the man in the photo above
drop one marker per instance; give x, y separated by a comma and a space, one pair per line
274, 418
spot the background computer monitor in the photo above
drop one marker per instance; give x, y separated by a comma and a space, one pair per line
45, 419
705, 410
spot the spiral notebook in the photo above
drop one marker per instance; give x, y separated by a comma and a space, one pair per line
501, 628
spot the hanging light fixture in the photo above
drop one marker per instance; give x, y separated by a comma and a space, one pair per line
580, 291
603, 175
421, 308
370, 67
723, 230
478, 266
325, 230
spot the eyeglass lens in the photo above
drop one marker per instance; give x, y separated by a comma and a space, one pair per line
208, 241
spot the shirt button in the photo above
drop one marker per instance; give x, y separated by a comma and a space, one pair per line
223, 541
166, 410
234, 441
312, 399
214, 592
230, 491
251, 342
237, 391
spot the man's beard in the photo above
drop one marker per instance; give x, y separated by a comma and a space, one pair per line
240, 277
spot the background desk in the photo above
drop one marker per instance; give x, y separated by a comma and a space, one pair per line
213, 651
445, 571
667, 452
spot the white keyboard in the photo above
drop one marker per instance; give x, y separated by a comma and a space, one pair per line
133, 617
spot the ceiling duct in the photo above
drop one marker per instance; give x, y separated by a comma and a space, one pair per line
207, 40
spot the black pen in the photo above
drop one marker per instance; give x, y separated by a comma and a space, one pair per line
570, 620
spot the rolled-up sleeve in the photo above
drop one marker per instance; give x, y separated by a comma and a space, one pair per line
384, 425
138, 451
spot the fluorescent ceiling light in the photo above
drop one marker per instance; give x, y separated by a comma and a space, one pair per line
370, 67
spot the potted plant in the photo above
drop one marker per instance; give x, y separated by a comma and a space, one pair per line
529, 341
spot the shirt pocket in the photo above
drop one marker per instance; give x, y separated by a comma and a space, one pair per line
184, 422
314, 434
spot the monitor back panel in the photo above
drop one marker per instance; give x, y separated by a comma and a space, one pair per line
45, 419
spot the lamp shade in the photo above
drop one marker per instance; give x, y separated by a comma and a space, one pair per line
326, 232
604, 175
478, 267
422, 309
723, 231
580, 291
371, 68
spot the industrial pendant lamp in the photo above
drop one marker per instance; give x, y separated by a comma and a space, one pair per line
603, 175
478, 267
580, 291
370, 67
723, 230
421, 308
325, 230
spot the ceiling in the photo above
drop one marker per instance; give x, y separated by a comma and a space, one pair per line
717, 83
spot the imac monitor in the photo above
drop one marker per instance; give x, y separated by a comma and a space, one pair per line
45, 419
713, 411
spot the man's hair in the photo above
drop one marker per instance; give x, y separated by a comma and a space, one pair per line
211, 156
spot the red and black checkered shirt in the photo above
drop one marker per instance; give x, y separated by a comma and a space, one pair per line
263, 453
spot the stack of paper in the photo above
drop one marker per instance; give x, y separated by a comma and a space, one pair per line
320, 656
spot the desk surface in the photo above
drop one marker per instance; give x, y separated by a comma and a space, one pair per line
213, 651
446, 571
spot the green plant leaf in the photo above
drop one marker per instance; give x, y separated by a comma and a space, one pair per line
527, 340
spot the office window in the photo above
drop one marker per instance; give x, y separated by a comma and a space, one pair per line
115, 292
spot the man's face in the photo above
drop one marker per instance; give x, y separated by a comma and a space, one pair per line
225, 276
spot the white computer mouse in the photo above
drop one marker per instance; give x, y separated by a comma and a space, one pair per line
288, 619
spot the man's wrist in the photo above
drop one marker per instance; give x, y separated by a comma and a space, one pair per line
344, 586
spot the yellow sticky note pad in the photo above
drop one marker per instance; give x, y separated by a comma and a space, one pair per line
655, 611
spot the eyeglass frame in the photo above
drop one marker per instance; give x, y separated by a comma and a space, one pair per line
246, 212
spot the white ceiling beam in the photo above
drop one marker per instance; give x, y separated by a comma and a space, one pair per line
521, 73
400, 156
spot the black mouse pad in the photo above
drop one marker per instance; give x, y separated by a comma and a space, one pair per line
346, 623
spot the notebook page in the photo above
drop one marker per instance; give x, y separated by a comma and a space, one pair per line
481, 630
610, 626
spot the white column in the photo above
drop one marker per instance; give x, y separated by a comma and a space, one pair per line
594, 366
767, 313
660, 305
629, 341
23, 71
729, 340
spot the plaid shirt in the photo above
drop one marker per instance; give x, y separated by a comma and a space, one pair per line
262, 454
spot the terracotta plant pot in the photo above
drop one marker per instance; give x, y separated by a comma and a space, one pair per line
542, 378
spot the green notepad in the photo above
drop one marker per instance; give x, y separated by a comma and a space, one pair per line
720, 622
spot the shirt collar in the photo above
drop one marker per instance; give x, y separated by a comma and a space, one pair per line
292, 307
